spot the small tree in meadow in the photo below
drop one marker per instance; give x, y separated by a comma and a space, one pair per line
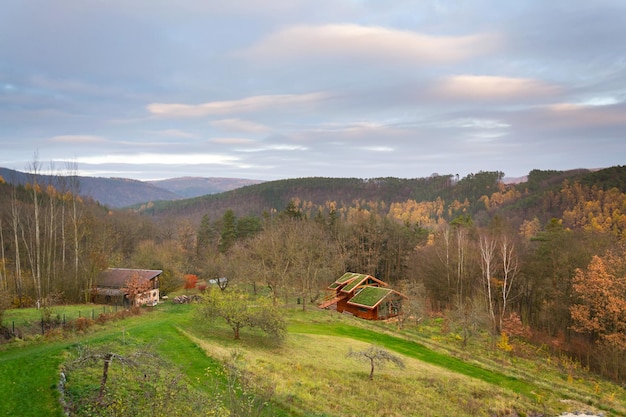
504, 345
238, 309
376, 357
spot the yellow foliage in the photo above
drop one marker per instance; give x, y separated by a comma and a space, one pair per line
503, 344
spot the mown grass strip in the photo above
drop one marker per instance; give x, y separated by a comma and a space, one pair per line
28, 381
422, 353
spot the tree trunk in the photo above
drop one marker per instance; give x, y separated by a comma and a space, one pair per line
105, 374
15, 219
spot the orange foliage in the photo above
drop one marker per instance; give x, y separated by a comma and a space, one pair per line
600, 290
136, 285
190, 281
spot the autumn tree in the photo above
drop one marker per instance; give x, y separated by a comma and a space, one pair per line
600, 311
135, 286
600, 294
190, 281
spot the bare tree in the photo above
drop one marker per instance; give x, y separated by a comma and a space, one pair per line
3, 266
508, 256
376, 356
75, 215
487, 264
88, 356
15, 223
35, 252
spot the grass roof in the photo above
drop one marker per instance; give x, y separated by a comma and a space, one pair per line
370, 296
358, 279
347, 277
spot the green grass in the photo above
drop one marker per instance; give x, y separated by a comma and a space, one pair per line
310, 372
28, 378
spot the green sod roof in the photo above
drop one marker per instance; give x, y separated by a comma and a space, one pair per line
347, 277
370, 296
358, 279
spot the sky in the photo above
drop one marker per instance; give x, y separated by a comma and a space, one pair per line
273, 89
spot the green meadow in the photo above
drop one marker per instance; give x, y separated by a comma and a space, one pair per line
308, 374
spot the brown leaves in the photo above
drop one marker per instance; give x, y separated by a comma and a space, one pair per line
600, 291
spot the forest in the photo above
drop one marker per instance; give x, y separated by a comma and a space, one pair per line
543, 260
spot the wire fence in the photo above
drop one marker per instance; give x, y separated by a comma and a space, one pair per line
49, 321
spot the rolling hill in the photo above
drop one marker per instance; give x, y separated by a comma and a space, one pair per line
124, 192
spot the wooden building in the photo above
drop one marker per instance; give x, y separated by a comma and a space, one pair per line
364, 296
110, 286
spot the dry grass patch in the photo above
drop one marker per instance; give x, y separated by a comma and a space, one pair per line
312, 376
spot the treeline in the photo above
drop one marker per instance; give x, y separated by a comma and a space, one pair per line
485, 255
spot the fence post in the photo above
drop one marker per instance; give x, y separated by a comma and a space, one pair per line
42, 329
93, 314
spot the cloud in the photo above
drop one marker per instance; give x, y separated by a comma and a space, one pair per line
159, 159
233, 141
275, 147
581, 115
487, 87
374, 44
238, 125
78, 139
176, 133
378, 148
244, 105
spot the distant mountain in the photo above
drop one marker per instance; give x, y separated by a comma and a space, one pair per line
124, 192
189, 187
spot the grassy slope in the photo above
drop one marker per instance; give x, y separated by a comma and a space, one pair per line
311, 374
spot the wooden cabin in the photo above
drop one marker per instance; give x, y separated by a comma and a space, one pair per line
364, 296
111, 283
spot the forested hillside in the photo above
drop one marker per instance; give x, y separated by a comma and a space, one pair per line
533, 260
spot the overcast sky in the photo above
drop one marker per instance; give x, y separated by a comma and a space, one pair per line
271, 89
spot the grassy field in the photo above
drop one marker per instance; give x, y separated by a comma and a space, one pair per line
310, 373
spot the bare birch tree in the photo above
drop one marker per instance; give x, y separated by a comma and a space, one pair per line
508, 257
15, 222
35, 255
487, 246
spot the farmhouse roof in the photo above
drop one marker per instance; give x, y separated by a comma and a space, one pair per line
118, 277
